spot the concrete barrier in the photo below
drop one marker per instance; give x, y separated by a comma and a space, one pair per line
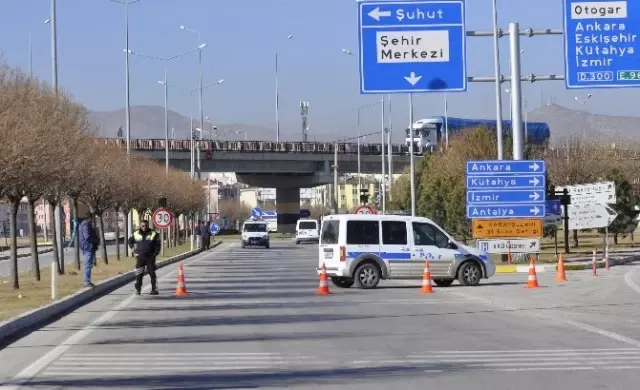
22, 255
34, 319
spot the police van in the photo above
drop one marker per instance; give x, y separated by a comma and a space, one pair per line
307, 230
364, 249
255, 232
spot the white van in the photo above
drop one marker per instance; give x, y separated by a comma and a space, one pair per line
363, 249
307, 230
255, 232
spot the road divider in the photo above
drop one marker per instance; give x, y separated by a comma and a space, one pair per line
43, 315
22, 255
510, 269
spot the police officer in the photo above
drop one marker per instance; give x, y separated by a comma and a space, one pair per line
146, 246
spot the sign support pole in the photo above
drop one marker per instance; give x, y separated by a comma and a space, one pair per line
412, 162
516, 94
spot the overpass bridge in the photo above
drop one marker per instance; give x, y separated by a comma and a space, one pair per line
285, 166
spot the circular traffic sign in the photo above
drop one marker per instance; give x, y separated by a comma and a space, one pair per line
365, 210
214, 229
256, 212
162, 218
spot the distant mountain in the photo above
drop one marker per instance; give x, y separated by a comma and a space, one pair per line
148, 122
565, 122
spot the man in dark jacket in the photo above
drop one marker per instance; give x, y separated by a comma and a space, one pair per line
205, 233
146, 246
89, 242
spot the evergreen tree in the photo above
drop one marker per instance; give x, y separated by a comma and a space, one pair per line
625, 223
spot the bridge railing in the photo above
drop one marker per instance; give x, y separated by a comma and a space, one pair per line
255, 146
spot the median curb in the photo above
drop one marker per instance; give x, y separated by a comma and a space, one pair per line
523, 269
36, 318
23, 255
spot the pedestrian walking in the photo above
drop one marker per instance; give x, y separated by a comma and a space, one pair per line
89, 241
145, 243
205, 233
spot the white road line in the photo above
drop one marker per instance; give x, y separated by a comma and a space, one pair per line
576, 324
628, 279
32, 370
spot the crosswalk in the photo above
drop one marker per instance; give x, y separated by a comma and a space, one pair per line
123, 364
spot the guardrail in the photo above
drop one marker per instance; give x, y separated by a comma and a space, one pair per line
255, 146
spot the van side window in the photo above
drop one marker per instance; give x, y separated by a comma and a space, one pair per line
330, 231
363, 232
425, 234
394, 233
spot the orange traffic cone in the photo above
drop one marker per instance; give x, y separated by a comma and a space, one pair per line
323, 288
561, 277
533, 277
181, 290
427, 288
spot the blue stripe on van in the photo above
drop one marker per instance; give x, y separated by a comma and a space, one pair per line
383, 255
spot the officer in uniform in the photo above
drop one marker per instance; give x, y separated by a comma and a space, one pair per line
146, 246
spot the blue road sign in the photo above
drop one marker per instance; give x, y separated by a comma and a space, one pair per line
412, 46
506, 189
256, 212
600, 43
553, 207
506, 211
214, 229
504, 197
505, 167
506, 182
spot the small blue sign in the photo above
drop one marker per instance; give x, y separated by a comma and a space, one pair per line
506, 167
256, 212
214, 229
601, 41
412, 46
506, 182
553, 207
505, 211
504, 197
506, 189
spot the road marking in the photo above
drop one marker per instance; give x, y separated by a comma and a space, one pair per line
630, 282
576, 324
32, 370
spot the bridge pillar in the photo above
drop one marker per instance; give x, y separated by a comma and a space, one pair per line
288, 208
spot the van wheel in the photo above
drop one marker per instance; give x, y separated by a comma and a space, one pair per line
297, 242
367, 276
470, 274
342, 282
443, 282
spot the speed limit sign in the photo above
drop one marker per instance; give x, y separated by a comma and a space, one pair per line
365, 210
162, 218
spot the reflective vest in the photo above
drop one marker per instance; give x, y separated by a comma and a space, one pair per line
146, 244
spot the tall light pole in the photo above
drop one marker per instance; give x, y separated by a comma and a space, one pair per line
498, 85
382, 142
166, 108
200, 89
127, 96
289, 37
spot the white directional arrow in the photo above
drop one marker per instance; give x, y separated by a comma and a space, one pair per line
376, 13
535, 211
534, 166
413, 79
535, 196
534, 181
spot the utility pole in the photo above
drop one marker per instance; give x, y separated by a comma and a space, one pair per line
304, 112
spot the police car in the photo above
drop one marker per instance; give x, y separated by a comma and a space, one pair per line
255, 232
364, 249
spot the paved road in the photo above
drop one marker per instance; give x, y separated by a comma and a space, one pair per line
252, 320
25, 263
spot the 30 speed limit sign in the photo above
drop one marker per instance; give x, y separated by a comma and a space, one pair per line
365, 210
162, 218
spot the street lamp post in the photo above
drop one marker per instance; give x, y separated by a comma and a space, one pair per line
166, 108
126, 4
289, 37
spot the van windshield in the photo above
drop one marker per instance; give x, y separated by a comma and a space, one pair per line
307, 225
255, 227
330, 230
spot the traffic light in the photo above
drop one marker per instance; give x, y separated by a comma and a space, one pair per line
364, 196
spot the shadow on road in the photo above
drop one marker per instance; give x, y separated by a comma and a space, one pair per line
249, 379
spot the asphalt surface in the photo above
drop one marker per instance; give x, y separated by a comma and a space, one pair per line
45, 259
252, 320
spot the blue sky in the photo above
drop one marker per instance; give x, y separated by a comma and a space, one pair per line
242, 36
